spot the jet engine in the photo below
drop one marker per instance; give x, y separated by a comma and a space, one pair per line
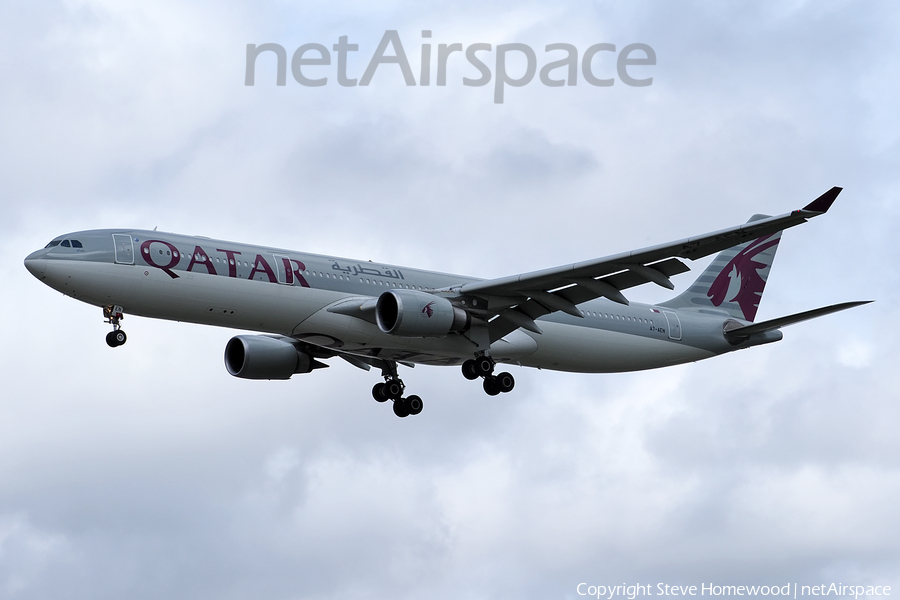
263, 357
409, 313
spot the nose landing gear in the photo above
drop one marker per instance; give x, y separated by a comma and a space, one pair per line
483, 366
113, 315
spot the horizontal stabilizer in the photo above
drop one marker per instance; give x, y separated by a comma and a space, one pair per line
739, 334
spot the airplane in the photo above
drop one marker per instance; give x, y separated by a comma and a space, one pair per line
308, 307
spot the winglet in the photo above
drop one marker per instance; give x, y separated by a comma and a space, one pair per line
823, 202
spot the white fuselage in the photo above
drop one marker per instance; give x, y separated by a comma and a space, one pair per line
225, 284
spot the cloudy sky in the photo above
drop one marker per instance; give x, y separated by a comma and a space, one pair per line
148, 472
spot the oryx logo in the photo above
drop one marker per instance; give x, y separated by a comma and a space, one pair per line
428, 310
739, 281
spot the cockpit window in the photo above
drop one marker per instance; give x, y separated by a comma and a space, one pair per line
65, 244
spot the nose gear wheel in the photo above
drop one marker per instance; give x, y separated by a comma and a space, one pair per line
113, 315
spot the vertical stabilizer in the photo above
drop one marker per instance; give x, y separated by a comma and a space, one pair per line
735, 280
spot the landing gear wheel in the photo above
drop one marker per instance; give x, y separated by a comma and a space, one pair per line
415, 405
113, 315
491, 387
401, 407
468, 370
393, 389
378, 393
505, 381
116, 338
484, 366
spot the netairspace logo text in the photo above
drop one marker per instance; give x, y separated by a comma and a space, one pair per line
791, 590
310, 63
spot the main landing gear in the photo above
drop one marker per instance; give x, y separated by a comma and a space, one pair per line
116, 337
483, 366
392, 389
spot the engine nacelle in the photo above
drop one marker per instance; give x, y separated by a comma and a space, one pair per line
262, 357
409, 313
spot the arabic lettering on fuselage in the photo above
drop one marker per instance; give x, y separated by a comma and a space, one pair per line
168, 257
168, 260
358, 270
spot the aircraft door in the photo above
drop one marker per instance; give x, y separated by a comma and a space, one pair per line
674, 325
124, 248
283, 269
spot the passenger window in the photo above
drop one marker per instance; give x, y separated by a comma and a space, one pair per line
65, 244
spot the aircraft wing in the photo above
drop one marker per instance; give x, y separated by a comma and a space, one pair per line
520, 299
359, 360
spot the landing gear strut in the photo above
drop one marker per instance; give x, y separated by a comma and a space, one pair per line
483, 366
392, 389
114, 314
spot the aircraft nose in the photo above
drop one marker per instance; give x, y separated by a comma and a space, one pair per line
35, 264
